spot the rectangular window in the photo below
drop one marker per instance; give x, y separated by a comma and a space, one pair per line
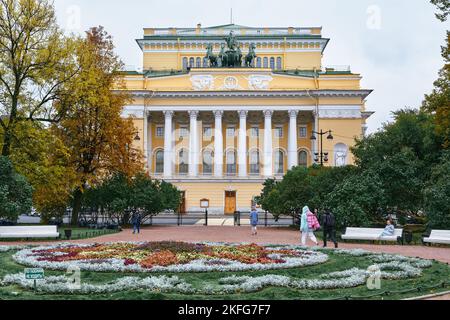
231, 131
184, 132
255, 132
279, 132
160, 131
207, 132
303, 132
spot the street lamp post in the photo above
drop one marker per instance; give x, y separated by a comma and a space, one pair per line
321, 156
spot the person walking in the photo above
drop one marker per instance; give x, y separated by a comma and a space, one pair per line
329, 228
136, 221
308, 224
254, 221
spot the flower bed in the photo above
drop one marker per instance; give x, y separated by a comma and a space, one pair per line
167, 257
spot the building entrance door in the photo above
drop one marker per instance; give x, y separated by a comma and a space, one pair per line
182, 208
230, 202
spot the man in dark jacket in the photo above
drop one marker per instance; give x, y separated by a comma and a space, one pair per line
136, 221
329, 228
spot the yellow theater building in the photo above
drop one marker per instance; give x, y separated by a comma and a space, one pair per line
216, 120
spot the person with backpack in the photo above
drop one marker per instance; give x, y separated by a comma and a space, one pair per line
308, 225
329, 228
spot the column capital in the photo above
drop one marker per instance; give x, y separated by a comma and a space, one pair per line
293, 113
268, 113
193, 114
243, 114
218, 113
168, 113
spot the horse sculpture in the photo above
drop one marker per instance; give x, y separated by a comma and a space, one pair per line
211, 56
223, 56
251, 56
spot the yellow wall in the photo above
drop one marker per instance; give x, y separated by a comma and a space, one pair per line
344, 131
215, 193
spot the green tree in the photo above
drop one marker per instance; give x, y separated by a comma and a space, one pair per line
356, 200
15, 192
437, 195
36, 63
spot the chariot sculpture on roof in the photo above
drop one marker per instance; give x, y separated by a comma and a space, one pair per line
231, 57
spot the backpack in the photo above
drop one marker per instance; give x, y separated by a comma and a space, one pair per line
329, 220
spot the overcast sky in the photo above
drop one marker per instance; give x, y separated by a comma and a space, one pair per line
394, 44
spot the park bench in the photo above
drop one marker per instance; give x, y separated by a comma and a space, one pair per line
372, 234
28, 232
438, 236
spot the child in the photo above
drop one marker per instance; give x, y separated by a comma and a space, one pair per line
308, 224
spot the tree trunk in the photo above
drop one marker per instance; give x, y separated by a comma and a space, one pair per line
77, 199
7, 139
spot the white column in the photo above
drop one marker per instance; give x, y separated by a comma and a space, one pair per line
168, 144
242, 148
315, 143
193, 144
149, 144
218, 145
292, 139
268, 152
146, 157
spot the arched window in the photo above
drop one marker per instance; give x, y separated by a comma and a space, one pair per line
207, 162
198, 63
303, 158
279, 64
266, 62
254, 162
185, 63
231, 162
279, 162
191, 62
159, 162
205, 63
340, 155
183, 168
272, 63
258, 62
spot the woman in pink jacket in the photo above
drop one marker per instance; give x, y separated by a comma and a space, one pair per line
308, 225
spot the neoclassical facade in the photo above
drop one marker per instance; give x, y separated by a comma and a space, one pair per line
217, 133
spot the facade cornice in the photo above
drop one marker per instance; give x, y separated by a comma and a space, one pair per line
363, 94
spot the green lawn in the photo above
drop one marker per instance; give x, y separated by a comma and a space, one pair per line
438, 273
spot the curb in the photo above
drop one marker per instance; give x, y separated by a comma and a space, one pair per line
429, 296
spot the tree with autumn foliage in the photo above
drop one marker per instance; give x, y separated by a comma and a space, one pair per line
98, 138
438, 102
36, 63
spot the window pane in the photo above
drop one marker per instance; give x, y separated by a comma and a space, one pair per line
254, 162
303, 159
185, 63
207, 162
272, 63
279, 132
184, 166
255, 132
159, 162
230, 132
258, 62
266, 62
279, 162
279, 65
302, 132
184, 132
160, 131
207, 132
198, 63
231, 163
